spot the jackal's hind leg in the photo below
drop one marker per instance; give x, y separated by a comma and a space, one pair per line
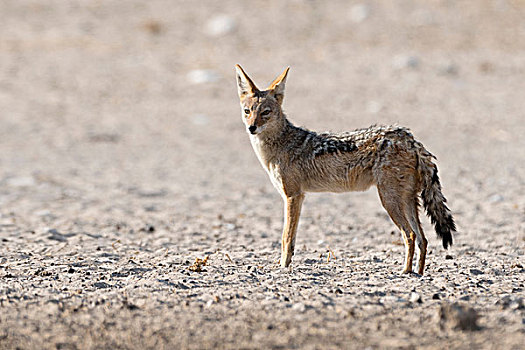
393, 203
292, 211
409, 250
420, 236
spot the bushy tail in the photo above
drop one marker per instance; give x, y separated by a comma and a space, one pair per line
434, 200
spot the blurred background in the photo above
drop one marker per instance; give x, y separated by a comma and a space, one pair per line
123, 158
130, 107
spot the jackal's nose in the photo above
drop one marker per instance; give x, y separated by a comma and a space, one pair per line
252, 129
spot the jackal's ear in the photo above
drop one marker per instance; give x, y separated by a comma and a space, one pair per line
276, 88
245, 85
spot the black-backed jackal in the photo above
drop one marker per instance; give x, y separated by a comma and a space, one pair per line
299, 160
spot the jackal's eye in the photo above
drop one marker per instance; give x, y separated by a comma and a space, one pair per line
266, 112
246, 111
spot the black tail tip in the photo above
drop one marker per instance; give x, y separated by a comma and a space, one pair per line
447, 240
445, 232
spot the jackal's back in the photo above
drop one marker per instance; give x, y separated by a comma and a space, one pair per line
344, 161
370, 140
360, 147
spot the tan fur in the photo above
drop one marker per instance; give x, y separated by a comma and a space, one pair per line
298, 161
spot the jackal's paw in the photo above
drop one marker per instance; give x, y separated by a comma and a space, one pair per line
286, 260
411, 273
406, 271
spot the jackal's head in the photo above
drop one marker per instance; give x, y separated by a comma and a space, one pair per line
261, 110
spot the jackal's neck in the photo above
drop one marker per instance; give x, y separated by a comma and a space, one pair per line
270, 144
278, 132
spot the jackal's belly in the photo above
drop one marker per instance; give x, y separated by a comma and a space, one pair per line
346, 180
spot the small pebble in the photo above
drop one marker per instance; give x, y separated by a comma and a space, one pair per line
400, 62
459, 316
202, 76
496, 198
415, 298
200, 119
152, 26
359, 13
220, 25
300, 307
21, 181
229, 226
374, 107
449, 69
101, 285
476, 272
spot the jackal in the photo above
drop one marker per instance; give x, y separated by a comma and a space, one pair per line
299, 160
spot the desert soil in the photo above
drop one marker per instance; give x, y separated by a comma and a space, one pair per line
123, 159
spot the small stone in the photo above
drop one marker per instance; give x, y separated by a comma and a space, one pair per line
391, 299
510, 302
56, 236
405, 62
152, 26
127, 305
415, 298
71, 270
436, 296
21, 181
284, 298
103, 137
101, 285
496, 198
449, 69
299, 307
43, 212
150, 208
458, 316
486, 67
374, 107
220, 25
449, 257
517, 304
151, 193
181, 286
476, 272
200, 119
359, 13
229, 226
202, 76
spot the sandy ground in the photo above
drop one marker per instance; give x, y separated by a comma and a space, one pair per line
120, 165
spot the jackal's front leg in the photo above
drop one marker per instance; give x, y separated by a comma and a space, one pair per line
292, 211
